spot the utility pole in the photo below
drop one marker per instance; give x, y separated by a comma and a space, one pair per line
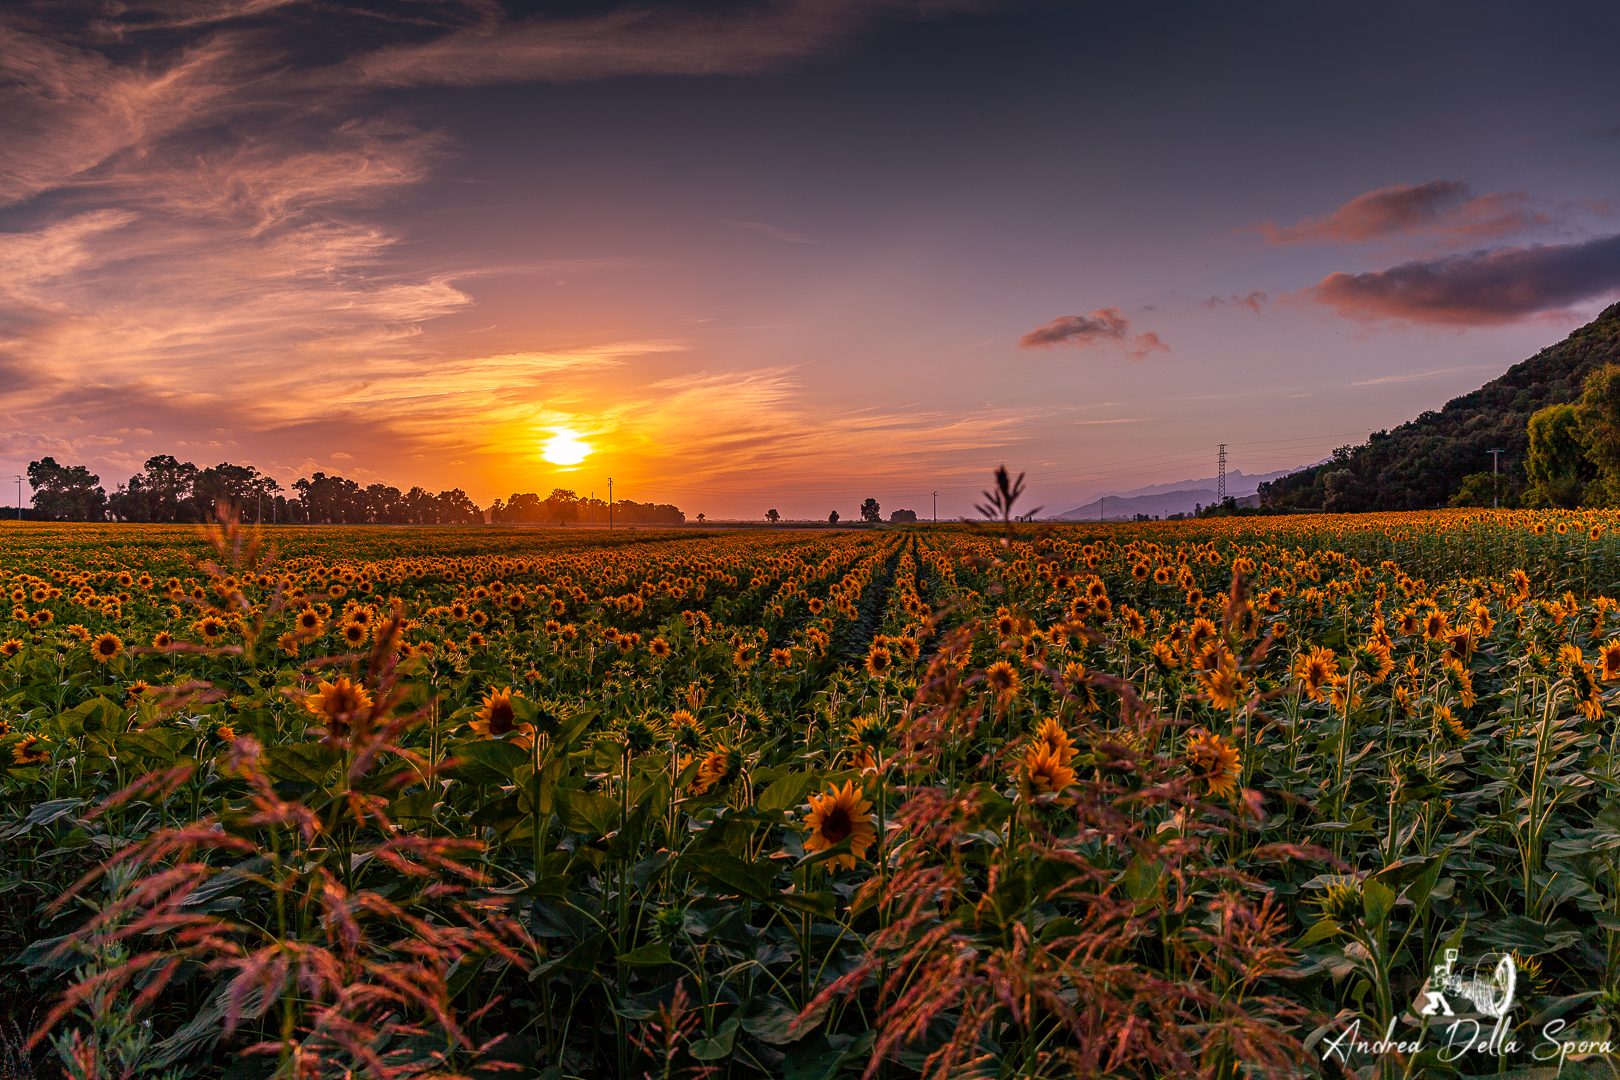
1496, 460
936, 508
1100, 500
19, 498
1220, 482
610, 504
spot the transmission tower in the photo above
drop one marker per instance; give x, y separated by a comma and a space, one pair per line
1220, 481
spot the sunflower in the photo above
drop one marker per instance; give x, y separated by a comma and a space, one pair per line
497, 718
309, 621
1225, 686
137, 688
162, 640
1002, 677
10, 647
684, 730
720, 767
1436, 626
1214, 761
878, 661
658, 647
840, 814
210, 628
1444, 719
1044, 772
1161, 576
744, 656
106, 647
1164, 655
337, 703
1056, 739
1611, 660
1461, 682
32, 750
354, 634
225, 733
1374, 660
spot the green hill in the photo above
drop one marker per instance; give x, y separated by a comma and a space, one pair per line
1422, 463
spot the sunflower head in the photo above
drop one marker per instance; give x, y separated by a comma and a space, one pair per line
684, 730
1052, 735
1214, 761
719, 769
1044, 772
1341, 900
338, 704
1002, 677
31, 750
497, 717
838, 815
106, 647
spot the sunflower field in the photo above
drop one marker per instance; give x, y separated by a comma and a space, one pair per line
1207, 798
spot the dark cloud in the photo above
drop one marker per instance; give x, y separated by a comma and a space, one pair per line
1482, 288
1104, 325
1439, 209
1253, 301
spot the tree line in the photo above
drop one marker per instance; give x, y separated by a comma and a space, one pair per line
169, 490
564, 507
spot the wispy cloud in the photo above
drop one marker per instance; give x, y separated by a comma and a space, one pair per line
1254, 301
771, 231
1414, 376
1440, 210
1102, 326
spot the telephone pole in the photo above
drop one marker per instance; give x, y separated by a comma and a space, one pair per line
1220, 481
1496, 459
610, 504
19, 498
936, 508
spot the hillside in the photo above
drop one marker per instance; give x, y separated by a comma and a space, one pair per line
1422, 462
1162, 504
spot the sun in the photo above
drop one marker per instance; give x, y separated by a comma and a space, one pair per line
564, 448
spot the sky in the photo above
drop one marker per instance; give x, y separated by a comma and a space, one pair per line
791, 255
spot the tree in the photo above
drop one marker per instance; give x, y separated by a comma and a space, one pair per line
562, 506
904, 517
832, 518
702, 518
66, 492
1557, 464
1598, 416
1483, 489
772, 516
870, 511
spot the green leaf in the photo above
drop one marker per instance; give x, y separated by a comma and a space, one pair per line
1321, 931
718, 1047
648, 955
1141, 878
771, 1020
497, 755
788, 792
587, 812
752, 880
1377, 901
306, 762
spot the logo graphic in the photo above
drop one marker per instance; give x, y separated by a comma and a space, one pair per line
1491, 995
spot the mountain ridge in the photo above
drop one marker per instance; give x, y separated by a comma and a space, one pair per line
1422, 462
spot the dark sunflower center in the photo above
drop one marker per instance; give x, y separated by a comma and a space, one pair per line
836, 825
501, 718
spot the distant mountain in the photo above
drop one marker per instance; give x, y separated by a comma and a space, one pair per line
1422, 463
1238, 482
1118, 508
1161, 500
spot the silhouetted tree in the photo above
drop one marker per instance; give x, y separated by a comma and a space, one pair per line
66, 492
903, 517
870, 511
772, 516
832, 518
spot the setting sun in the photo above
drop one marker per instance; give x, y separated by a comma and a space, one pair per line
564, 448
